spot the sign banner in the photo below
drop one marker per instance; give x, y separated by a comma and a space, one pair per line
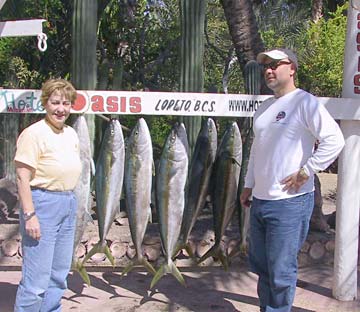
163, 103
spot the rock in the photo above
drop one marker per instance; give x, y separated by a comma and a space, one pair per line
8, 198
305, 247
118, 249
130, 252
80, 251
152, 252
330, 246
317, 251
10, 247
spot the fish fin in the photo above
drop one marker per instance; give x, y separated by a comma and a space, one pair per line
176, 273
189, 251
158, 275
127, 269
109, 255
141, 261
223, 259
148, 265
84, 275
96, 249
179, 246
168, 268
78, 267
217, 253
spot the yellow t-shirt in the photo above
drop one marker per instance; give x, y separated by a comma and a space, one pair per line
53, 153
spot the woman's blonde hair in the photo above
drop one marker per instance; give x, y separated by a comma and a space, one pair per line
61, 85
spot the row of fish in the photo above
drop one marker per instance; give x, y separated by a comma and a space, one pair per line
181, 188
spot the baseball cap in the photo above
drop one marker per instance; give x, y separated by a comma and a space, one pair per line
277, 55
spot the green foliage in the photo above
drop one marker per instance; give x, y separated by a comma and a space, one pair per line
19, 76
322, 55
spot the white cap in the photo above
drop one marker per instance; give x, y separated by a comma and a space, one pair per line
277, 55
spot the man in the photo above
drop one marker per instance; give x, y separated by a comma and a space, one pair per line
280, 177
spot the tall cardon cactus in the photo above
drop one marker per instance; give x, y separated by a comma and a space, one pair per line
252, 75
192, 14
83, 71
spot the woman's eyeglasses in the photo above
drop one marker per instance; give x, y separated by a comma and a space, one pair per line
274, 65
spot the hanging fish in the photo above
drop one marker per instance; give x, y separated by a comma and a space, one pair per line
138, 182
199, 179
170, 195
82, 191
108, 184
226, 181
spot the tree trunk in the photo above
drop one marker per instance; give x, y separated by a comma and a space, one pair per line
243, 29
316, 10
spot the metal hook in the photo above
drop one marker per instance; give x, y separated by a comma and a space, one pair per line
355, 6
42, 45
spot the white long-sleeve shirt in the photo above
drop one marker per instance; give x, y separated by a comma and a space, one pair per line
285, 130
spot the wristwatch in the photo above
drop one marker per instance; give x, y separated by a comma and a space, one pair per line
28, 215
302, 173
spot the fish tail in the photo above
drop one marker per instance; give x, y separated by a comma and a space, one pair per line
108, 255
100, 247
78, 267
141, 261
168, 268
183, 245
217, 253
127, 269
148, 265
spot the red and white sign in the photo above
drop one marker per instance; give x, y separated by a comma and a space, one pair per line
164, 103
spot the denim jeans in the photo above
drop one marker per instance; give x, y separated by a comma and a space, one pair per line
46, 263
278, 228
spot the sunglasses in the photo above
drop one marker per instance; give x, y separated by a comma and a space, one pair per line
275, 64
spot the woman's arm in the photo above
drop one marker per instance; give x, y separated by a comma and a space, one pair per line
24, 174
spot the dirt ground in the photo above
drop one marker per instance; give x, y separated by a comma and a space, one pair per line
208, 288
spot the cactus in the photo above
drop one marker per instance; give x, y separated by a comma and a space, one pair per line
252, 75
192, 14
84, 64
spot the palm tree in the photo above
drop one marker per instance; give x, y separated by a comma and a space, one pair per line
243, 29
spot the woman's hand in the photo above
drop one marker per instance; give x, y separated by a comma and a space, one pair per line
32, 227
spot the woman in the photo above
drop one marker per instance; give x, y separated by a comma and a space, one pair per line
47, 166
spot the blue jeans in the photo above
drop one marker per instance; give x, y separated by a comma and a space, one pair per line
278, 228
46, 263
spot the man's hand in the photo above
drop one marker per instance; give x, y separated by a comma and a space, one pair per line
294, 181
32, 227
245, 197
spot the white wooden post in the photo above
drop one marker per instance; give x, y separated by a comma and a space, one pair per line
348, 191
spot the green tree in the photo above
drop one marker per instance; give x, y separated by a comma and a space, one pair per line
322, 51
